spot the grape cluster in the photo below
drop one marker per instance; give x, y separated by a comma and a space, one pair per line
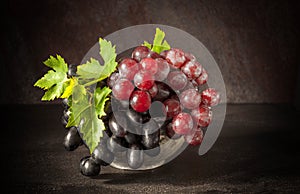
135, 123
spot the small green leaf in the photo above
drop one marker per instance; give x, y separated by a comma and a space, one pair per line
147, 44
54, 81
93, 70
100, 99
159, 44
108, 54
54, 92
50, 79
58, 64
90, 70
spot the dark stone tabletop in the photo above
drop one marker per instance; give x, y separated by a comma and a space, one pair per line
257, 152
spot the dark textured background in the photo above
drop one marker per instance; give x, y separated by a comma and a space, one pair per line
255, 43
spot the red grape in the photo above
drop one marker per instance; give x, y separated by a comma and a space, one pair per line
175, 57
172, 107
202, 79
192, 69
195, 137
140, 101
144, 80
190, 98
140, 52
210, 97
122, 89
182, 123
149, 64
128, 68
202, 115
163, 69
177, 80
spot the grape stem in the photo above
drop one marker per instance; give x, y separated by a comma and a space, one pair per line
92, 82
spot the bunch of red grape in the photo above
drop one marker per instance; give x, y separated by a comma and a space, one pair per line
134, 123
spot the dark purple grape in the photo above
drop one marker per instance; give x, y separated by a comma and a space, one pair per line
135, 156
65, 103
150, 139
102, 155
132, 138
117, 129
72, 139
171, 133
63, 121
153, 152
72, 69
163, 93
136, 118
116, 144
88, 166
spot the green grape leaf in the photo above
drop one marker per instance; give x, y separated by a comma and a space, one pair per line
69, 89
100, 99
159, 44
147, 44
54, 81
90, 70
93, 70
84, 115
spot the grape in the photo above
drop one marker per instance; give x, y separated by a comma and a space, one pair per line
177, 80
89, 167
172, 107
128, 68
135, 156
210, 97
63, 121
194, 138
72, 70
137, 118
153, 152
182, 123
163, 54
163, 69
66, 114
122, 89
202, 79
153, 91
153, 55
132, 138
140, 52
157, 110
117, 129
65, 103
102, 155
190, 98
140, 101
171, 133
143, 80
163, 93
112, 80
151, 137
189, 57
116, 144
149, 65
175, 57
202, 115
72, 139
192, 69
